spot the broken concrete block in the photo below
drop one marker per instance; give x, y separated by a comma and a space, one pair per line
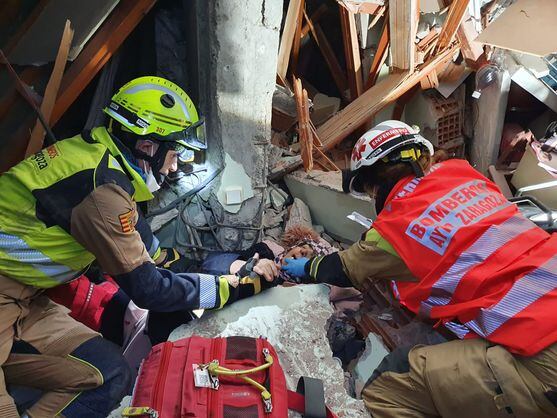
329, 205
323, 108
294, 321
298, 215
373, 354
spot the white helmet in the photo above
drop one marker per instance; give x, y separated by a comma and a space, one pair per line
382, 140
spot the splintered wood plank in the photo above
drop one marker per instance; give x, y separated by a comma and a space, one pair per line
329, 55
450, 27
403, 21
288, 33
380, 55
430, 81
298, 37
106, 41
355, 6
369, 103
351, 52
304, 131
37, 135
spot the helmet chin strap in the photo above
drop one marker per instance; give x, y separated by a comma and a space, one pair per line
156, 161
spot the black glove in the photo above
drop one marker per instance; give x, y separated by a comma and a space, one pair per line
174, 261
246, 283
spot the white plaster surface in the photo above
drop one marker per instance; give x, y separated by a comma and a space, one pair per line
234, 176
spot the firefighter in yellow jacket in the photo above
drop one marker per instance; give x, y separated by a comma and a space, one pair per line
75, 202
465, 258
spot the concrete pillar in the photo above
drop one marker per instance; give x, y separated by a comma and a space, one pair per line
237, 45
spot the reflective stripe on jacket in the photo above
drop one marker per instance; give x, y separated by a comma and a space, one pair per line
38, 196
482, 268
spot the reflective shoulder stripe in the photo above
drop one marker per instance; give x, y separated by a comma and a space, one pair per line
155, 249
495, 237
207, 291
373, 236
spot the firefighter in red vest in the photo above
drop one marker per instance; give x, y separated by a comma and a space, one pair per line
465, 258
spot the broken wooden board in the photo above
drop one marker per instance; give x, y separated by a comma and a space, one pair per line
351, 52
380, 55
450, 27
290, 25
403, 24
305, 135
362, 6
369, 103
37, 135
526, 26
297, 38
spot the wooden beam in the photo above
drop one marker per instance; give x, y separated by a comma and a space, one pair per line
298, 37
403, 21
450, 27
355, 6
329, 55
369, 103
37, 135
430, 81
351, 52
379, 15
315, 17
380, 55
304, 130
106, 41
471, 50
288, 33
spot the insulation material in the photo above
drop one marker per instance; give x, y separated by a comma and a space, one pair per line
526, 26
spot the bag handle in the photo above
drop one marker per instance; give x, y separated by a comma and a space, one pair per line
309, 399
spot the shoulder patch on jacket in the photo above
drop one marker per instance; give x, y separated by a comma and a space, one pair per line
127, 221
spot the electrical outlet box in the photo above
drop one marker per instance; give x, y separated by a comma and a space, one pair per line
234, 195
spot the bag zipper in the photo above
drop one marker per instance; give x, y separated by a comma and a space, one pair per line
158, 393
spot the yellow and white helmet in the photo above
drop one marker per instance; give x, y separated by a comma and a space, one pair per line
159, 110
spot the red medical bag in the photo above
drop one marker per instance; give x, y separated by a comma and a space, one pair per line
234, 377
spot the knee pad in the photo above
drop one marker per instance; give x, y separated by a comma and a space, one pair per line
107, 359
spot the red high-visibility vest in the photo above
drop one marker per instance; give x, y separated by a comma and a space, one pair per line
482, 268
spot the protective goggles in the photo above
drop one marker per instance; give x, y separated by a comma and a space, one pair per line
193, 136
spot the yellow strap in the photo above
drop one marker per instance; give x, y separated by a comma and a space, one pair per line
137, 411
216, 369
256, 282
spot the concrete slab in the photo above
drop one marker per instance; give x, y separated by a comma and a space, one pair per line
329, 206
